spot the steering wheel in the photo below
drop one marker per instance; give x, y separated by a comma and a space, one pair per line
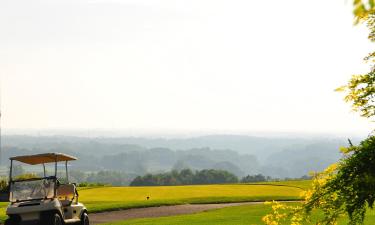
57, 182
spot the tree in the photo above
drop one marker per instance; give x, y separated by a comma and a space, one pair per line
360, 90
347, 187
253, 178
362, 9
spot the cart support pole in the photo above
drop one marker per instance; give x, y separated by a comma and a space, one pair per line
44, 170
56, 167
66, 171
10, 180
10, 171
55, 189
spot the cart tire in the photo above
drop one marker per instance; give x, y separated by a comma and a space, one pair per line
10, 222
85, 219
13, 220
52, 219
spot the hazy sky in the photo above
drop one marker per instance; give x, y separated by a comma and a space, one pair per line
238, 65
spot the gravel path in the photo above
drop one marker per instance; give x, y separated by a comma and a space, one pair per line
106, 217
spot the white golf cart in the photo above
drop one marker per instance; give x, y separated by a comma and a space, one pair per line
44, 200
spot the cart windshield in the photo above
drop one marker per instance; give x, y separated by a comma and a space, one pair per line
35, 177
32, 189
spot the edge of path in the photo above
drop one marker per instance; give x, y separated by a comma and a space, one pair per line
160, 211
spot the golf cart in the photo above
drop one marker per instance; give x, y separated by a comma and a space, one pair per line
44, 200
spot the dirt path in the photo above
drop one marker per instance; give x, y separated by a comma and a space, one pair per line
106, 217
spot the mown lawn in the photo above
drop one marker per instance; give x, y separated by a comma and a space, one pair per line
115, 198
303, 184
238, 215
111, 198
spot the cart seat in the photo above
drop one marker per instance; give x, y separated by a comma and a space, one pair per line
66, 193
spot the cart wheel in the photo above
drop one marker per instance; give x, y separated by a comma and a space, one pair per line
52, 219
10, 222
85, 219
57, 219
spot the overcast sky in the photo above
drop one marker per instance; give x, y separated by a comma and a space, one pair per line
219, 65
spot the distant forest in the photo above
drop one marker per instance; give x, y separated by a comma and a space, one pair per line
185, 177
127, 158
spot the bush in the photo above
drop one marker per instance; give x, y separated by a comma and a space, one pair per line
87, 184
4, 185
26, 176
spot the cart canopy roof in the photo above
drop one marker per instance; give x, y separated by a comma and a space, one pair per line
43, 158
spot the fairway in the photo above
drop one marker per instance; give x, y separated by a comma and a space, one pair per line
114, 198
238, 215
111, 198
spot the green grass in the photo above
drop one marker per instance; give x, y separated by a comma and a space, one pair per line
227, 216
113, 198
238, 215
303, 184
3, 206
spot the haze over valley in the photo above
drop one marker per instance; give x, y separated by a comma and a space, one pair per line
277, 157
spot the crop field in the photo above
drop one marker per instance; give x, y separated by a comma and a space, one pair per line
114, 198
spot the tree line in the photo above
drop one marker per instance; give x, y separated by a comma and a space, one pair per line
174, 177
185, 177
190, 177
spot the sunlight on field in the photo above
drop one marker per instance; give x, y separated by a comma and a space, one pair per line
99, 199
238, 215
304, 184
113, 198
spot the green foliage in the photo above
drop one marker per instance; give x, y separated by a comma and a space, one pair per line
354, 183
212, 176
184, 177
362, 9
254, 178
87, 184
360, 89
360, 92
26, 176
346, 188
3, 184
